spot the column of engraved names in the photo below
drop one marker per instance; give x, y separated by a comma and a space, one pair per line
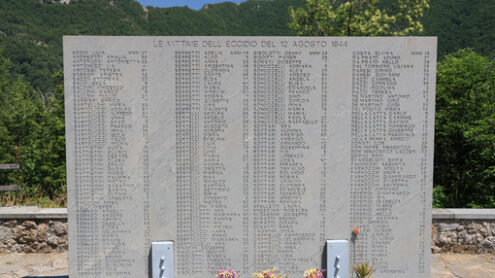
424, 160
187, 114
267, 81
295, 120
398, 150
88, 150
379, 149
146, 153
364, 171
324, 139
120, 185
246, 159
218, 218
107, 121
361, 183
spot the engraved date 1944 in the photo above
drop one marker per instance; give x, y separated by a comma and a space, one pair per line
339, 44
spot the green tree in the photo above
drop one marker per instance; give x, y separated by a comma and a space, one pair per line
52, 142
465, 131
35, 124
358, 17
21, 109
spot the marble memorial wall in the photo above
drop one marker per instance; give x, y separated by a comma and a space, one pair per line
248, 152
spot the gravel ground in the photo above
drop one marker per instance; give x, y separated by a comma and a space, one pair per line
55, 265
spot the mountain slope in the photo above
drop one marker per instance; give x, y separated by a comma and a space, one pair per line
31, 32
462, 24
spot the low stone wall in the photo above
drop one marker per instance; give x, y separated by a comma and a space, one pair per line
463, 231
28, 230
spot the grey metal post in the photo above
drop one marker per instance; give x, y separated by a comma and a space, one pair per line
162, 259
337, 259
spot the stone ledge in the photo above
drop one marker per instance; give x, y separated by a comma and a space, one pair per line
32, 213
474, 214
61, 213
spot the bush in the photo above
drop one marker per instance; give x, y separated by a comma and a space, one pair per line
465, 131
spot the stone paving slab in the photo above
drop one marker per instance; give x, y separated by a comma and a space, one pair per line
463, 266
55, 265
34, 265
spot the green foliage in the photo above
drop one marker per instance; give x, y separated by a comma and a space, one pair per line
461, 24
36, 126
465, 131
358, 18
31, 32
363, 270
51, 145
19, 110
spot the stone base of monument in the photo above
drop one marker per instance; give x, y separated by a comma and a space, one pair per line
162, 259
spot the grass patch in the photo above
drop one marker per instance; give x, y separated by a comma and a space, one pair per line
8, 263
19, 198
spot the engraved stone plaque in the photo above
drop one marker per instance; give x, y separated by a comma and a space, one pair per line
248, 152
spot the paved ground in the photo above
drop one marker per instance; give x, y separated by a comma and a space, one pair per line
55, 265
33, 265
463, 266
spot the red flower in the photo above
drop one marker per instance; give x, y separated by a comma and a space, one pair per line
356, 231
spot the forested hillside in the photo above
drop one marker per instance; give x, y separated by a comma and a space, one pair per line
31, 32
462, 24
